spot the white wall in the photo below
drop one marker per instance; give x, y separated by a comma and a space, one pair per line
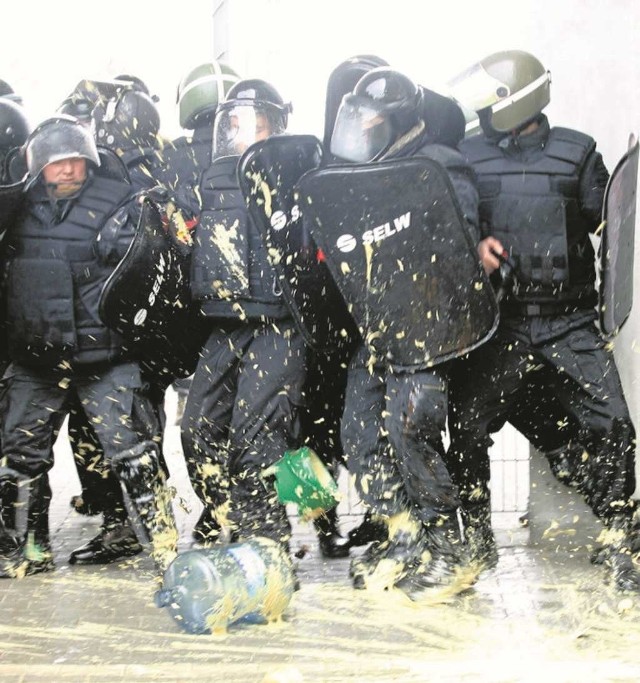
47, 47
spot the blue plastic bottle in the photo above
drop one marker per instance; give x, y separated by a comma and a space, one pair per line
208, 590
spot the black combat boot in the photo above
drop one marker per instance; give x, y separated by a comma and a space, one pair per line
332, 544
148, 501
618, 540
370, 530
115, 540
26, 548
207, 529
476, 524
448, 569
387, 562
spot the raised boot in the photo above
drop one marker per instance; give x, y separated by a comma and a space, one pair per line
25, 547
447, 569
478, 534
147, 498
331, 542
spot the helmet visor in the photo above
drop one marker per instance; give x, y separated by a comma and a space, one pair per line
360, 133
476, 89
239, 126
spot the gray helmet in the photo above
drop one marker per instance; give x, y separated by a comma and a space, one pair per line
384, 105
128, 119
57, 138
14, 126
200, 92
507, 89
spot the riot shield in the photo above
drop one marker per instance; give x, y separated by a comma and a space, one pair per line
618, 243
11, 197
147, 297
403, 259
267, 173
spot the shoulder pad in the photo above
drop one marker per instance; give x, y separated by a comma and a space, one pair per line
569, 145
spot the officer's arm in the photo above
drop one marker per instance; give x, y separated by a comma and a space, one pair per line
593, 182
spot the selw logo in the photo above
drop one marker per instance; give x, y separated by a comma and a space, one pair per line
348, 242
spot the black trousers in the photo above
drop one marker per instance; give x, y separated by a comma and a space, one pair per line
579, 373
392, 432
242, 414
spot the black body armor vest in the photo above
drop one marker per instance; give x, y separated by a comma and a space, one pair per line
529, 200
230, 274
54, 277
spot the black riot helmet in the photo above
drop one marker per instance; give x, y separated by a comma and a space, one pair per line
384, 106
78, 106
14, 126
253, 110
6, 91
127, 119
137, 84
57, 138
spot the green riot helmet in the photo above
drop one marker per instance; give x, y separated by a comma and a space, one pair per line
200, 92
384, 105
253, 110
14, 126
507, 89
57, 138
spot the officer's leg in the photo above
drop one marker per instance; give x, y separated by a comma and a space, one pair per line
589, 387
416, 421
205, 428
324, 387
549, 428
378, 480
482, 387
126, 423
265, 423
34, 414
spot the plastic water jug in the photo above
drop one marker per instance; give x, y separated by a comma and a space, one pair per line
208, 590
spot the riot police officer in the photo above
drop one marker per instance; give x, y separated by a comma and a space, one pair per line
541, 194
242, 412
185, 158
74, 228
394, 417
125, 122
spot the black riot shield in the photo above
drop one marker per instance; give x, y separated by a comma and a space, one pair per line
618, 243
403, 259
147, 298
11, 197
267, 173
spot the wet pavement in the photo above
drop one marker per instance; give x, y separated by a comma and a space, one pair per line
544, 614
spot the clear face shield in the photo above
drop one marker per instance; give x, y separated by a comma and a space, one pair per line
55, 143
360, 133
239, 126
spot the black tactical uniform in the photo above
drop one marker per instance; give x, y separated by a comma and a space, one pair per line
242, 410
541, 194
58, 254
394, 420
